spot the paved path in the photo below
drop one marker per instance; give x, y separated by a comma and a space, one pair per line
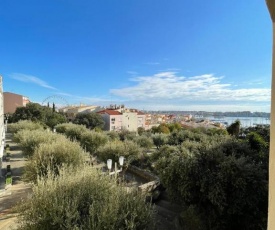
16, 192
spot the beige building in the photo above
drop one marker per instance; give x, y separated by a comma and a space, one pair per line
119, 119
13, 100
72, 111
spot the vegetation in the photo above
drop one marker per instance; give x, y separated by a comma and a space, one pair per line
234, 128
51, 157
211, 173
89, 120
72, 131
92, 140
37, 113
83, 198
24, 125
114, 149
213, 177
29, 140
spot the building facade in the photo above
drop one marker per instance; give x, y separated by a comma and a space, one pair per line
2, 127
122, 119
13, 100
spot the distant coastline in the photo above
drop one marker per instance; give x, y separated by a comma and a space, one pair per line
215, 114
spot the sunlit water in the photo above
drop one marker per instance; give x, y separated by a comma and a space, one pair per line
245, 121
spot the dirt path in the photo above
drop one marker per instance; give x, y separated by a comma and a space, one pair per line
16, 192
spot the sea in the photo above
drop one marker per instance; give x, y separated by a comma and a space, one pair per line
245, 121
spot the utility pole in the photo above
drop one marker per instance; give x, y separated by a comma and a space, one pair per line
271, 186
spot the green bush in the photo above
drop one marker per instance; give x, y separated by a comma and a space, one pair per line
53, 156
144, 142
217, 178
160, 139
92, 140
72, 131
24, 124
83, 198
29, 140
114, 149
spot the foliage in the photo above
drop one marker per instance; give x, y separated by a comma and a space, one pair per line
92, 140
90, 120
113, 135
144, 142
159, 139
50, 157
37, 113
234, 128
140, 130
55, 119
29, 140
114, 149
174, 127
162, 128
72, 131
83, 198
217, 181
164, 151
24, 124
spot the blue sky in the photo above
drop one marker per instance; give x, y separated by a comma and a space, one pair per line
148, 54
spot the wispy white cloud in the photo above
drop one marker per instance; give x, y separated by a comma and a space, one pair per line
169, 86
31, 79
152, 63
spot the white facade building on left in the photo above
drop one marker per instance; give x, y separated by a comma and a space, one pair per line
2, 127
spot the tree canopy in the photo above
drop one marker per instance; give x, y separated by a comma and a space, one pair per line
38, 113
90, 120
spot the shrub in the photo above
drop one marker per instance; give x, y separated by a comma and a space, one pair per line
72, 131
144, 142
159, 139
83, 198
114, 149
113, 135
29, 140
24, 124
52, 156
91, 140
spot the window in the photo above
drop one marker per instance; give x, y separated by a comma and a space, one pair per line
113, 119
113, 127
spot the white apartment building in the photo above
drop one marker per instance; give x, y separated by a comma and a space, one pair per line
117, 120
2, 127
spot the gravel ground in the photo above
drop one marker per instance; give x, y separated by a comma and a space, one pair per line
16, 192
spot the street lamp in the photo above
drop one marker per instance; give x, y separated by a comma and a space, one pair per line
121, 161
109, 164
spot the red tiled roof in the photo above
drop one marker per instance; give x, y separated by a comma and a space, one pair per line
140, 113
110, 112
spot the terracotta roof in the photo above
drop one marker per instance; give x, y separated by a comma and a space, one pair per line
110, 112
140, 113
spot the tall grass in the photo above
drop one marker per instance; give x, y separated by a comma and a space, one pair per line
83, 198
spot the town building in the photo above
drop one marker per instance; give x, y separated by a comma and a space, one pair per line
2, 127
120, 118
13, 101
72, 111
